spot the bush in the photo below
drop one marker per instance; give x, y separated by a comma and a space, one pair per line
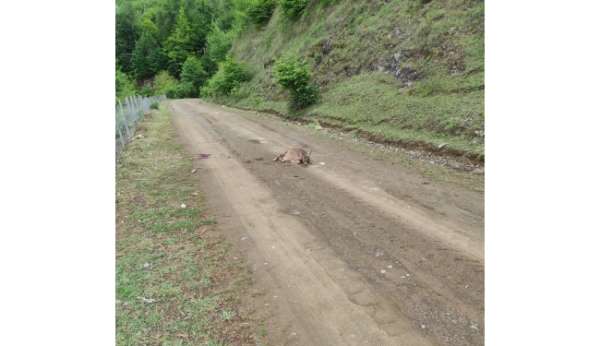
146, 90
182, 90
229, 76
260, 11
185, 89
304, 96
192, 72
163, 82
172, 92
293, 74
124, 85
154, 105
293, 8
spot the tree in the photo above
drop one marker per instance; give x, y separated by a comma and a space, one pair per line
126, 35
230, 76
165, 16
201, 17
193, 72
179, 45
148, 57
218, 44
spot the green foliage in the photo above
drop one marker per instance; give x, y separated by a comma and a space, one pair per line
291, 73
172, 92
293, 8
218, 45
126, 35
182, 90
187, 38
260, 11
304, 96
228, 77
163, 82
201, 17
179, 45
294, 75
123, 85
239, 14
154, 105
147, 57
146, 90
164, 14
192, 72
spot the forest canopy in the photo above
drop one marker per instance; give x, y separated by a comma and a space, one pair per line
181, 41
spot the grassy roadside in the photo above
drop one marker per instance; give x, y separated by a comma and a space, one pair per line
176, 283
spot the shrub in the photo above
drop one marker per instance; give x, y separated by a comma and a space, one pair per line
185, 89
124, 85
229, 76
163, 82
293, 74
293, 8
192, 72
304, 96
171, 92
181, 90
146, 89
154, 105
260, 11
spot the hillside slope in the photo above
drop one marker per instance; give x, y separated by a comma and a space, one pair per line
402, 71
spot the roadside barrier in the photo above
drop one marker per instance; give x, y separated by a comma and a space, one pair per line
128, 113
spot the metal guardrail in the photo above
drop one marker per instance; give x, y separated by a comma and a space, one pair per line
128, 114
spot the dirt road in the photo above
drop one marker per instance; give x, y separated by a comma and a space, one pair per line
348, 251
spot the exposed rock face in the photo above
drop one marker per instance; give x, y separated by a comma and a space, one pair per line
407, 75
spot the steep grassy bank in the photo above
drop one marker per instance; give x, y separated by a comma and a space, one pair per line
176, 283
407, 71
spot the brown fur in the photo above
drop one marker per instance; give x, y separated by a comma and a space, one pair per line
297, 156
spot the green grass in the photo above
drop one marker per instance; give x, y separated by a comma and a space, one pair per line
441, 40
371, 103
176, 283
